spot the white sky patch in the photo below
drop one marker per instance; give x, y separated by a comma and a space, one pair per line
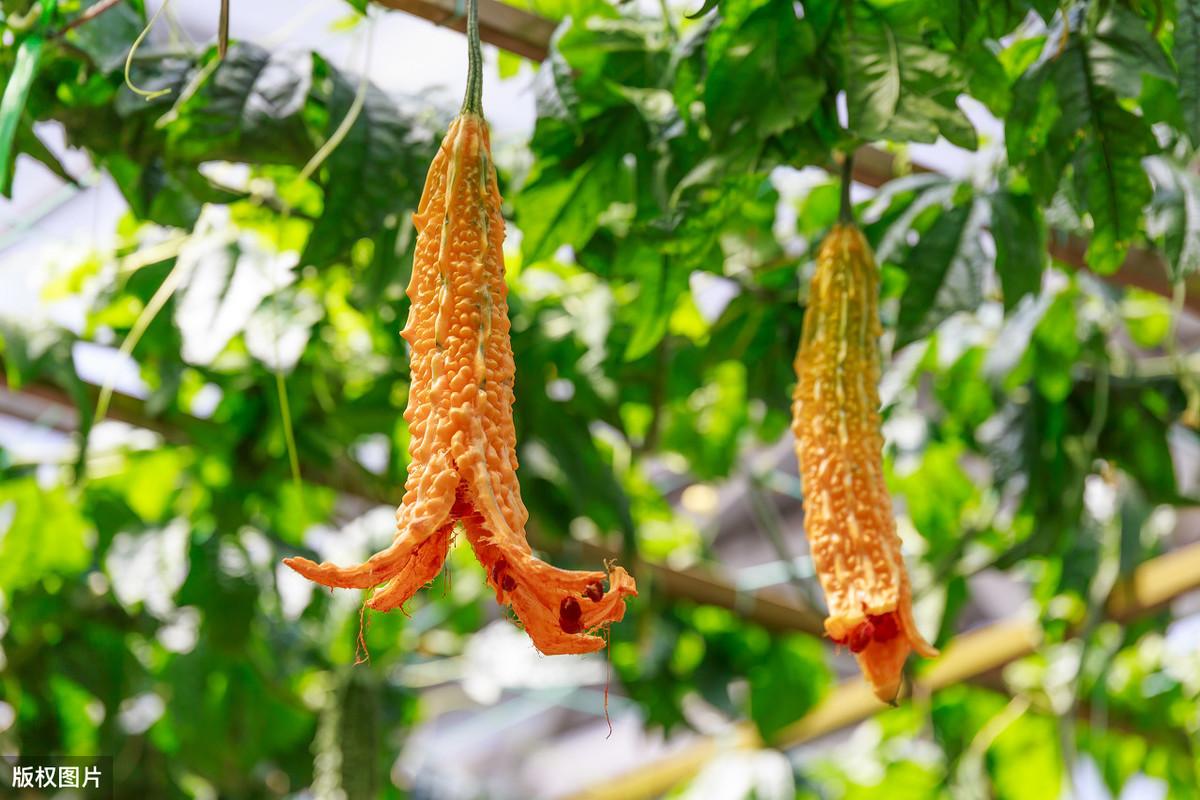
97, 364
500, 656
277, 333
205, 401
712, 293
149, 567
355, 541
182, 632
224, 282
372, 452
138, 713
762, 774
295, 591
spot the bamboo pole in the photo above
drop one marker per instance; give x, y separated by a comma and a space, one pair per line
46, 404
968, 656
503, 25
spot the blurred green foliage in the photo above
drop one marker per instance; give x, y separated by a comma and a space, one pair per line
657, 298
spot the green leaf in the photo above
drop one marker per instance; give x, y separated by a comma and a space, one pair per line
967, 21
1020, 237
1122, 49
1187, 60
818, 209
899, 88
785, 685
79, 729
509, 64
660, 286
165, 75
12, 105
375, 172
1037, 139
251, 109
106, 38
1023, 762
1173, 221
28, 143
904, 202
564, 199
43, 534
762, 79
945, 273
1110, 178
938, 517
1063, 113
555, 96
1135, 437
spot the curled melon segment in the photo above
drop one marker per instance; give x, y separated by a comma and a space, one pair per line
463, 468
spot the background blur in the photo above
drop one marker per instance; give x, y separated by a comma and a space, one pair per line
245, 319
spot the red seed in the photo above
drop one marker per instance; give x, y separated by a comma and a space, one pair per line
594, 592
570, 615
569, 608
860, 637
886, 627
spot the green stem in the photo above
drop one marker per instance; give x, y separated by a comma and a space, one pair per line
846, 210
473, 101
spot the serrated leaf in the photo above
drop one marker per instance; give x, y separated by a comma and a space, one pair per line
945, 273
1062, 115
251, 109
1122, 49
1173, 221
565, 198
1186, 53
375, 171
766, 55
1019, 234
901, 89
1110, 178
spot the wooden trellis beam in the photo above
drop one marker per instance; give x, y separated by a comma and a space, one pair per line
529, 35
968, 656
46, 404
503, 25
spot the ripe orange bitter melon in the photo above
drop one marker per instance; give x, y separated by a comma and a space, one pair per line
839, 443
463, 468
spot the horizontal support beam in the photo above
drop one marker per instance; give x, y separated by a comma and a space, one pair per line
46, 404
968, 656
502, 25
